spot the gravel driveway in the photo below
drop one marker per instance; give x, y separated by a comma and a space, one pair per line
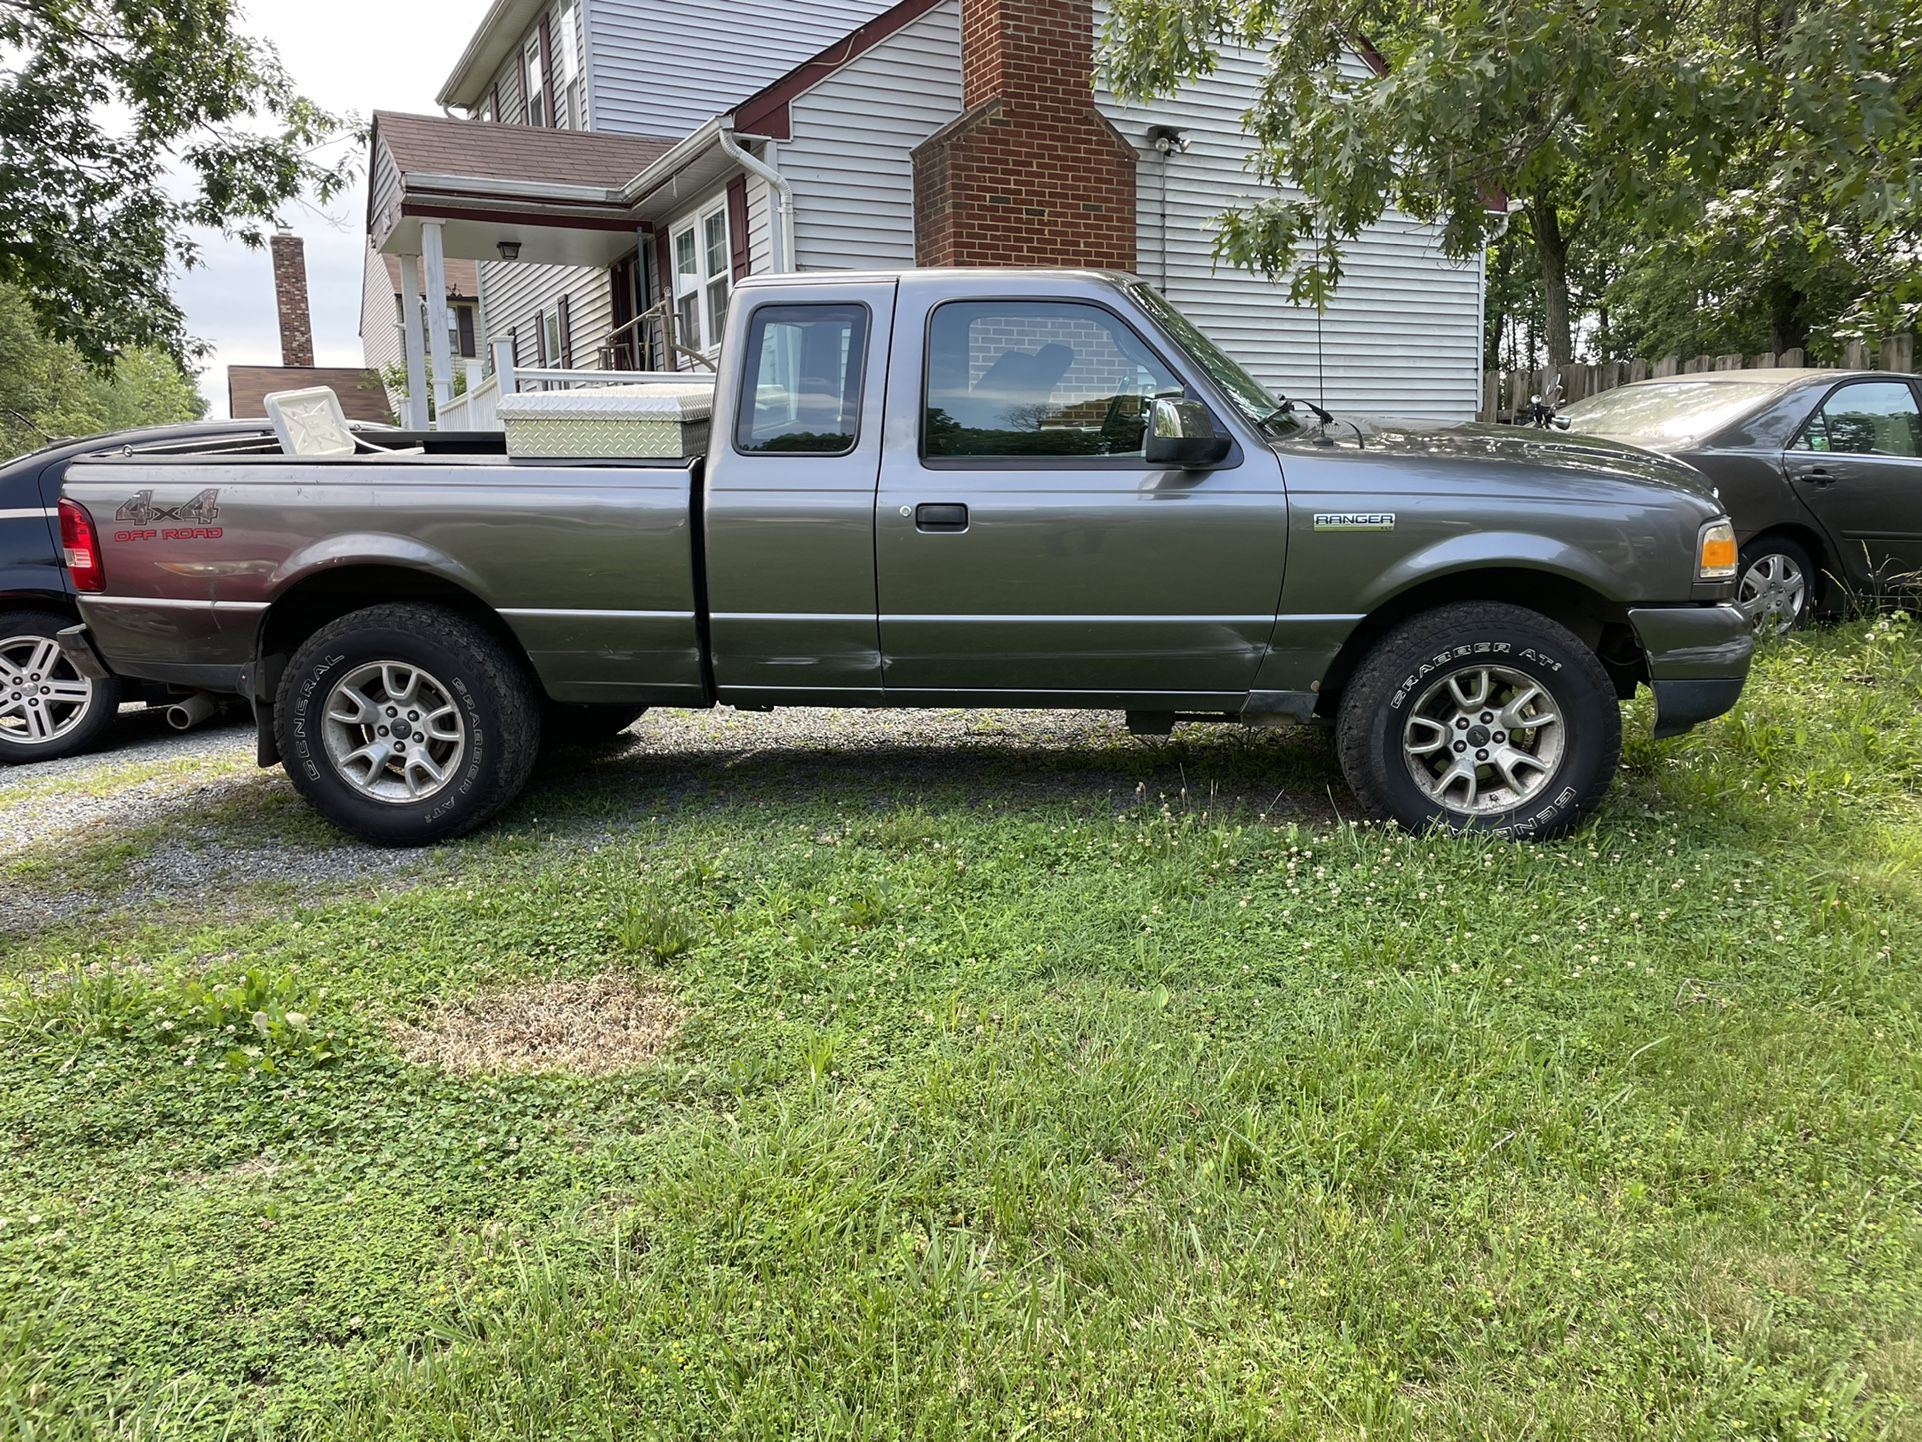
154, 821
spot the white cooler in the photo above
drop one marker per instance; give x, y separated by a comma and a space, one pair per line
668, 421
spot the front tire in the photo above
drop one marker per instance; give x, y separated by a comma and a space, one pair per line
1777, 586
407, 724
47, 708
1480, 716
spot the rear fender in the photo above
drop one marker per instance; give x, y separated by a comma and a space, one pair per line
369, 548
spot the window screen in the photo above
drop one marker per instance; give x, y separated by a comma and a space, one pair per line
801, 392
1873, 418
1038, 378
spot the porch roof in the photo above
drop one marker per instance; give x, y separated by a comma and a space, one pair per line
492, 183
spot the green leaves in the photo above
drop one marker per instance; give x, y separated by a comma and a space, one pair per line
99, 101
1642, 118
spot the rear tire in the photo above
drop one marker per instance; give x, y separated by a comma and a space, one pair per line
1480, 716
407, 724
47, 708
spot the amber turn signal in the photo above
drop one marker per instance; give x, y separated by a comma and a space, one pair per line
1716, 552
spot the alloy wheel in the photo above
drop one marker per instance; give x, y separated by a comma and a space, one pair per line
1772, 592
1483, 739
394, 732
42, 696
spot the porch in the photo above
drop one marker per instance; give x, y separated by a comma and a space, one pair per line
444, 189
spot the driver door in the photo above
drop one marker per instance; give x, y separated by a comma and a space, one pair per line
1027, 552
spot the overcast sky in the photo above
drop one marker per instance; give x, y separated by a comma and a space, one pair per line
358, 55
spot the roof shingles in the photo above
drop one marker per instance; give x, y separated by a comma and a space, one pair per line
479, 149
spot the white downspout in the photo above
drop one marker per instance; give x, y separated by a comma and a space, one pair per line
783, 217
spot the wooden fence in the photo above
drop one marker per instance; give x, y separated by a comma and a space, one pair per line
1505, 394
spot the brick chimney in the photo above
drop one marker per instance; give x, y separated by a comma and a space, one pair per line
290, 299
1030, 173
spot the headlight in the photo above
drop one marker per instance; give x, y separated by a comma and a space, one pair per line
1715, 552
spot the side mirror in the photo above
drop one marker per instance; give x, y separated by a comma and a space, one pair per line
1182, 433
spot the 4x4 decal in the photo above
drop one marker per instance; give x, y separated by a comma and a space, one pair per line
139, 509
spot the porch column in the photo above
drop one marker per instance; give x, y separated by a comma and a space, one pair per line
416, 417
437, 314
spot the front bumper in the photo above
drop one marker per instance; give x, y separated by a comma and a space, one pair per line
1698, 658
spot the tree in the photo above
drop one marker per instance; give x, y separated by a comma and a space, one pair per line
102, 104
48, 390
1762, 119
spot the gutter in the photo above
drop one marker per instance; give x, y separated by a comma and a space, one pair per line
718, 133
782, 241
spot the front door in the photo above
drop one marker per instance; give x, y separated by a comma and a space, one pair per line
1857, 465
1026, 551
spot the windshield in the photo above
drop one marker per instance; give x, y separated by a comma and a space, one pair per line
1251, 397
1665, 412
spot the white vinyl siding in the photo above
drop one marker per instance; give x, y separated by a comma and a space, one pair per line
380, 339
1402, 336
760, 235
662, 67
849, 163
515, 294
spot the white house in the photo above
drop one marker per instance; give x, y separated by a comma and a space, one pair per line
628, 160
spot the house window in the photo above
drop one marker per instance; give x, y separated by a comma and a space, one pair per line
702, 279
550, 337
568, 109
534, 80
464, 331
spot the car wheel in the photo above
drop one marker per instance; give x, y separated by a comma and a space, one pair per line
592, 725
1480, 716
47, 708
1777, 586
407, 724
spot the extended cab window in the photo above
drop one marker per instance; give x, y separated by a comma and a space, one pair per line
1037, 378
801, 394
1871, 418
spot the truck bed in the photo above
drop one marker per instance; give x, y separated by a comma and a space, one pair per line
591, 563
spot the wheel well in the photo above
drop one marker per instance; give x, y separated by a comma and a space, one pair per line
1600, 623
328, 595
38, 601
1827, 570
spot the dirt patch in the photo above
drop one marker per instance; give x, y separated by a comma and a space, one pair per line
605, 1024
254, 1169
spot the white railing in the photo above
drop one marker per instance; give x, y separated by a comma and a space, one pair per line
475, 410
478, 407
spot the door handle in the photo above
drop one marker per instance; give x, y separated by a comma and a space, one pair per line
1814, 475
940, 516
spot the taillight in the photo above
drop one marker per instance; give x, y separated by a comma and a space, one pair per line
81, 546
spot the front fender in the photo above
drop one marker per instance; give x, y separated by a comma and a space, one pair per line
1490, 550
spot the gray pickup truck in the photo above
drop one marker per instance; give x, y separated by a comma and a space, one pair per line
936, 488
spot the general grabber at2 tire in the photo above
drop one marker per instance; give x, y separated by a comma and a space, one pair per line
1480, 716
407, 724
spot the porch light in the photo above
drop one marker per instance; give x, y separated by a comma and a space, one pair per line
509, 249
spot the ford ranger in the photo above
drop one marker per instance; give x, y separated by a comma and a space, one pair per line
935, 488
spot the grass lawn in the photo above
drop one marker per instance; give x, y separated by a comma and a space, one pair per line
975, 1101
